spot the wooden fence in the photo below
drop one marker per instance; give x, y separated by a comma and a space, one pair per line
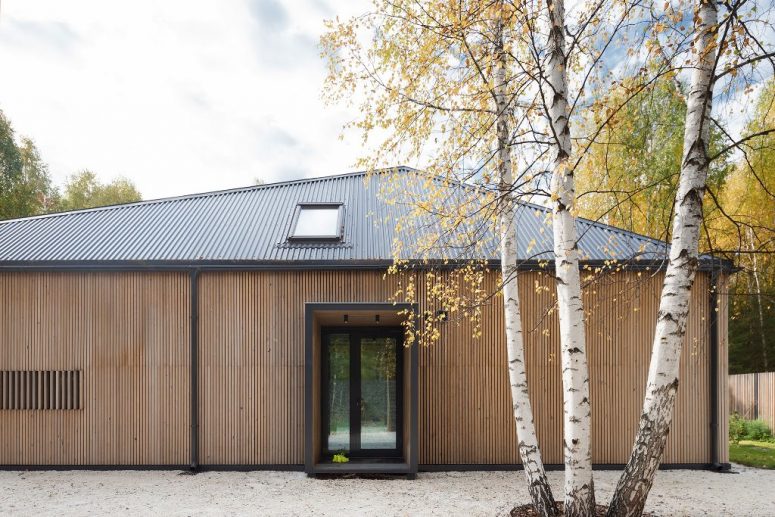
752, 395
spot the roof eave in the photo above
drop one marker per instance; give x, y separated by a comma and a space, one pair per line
246, 265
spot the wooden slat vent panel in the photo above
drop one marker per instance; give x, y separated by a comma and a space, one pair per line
40, 389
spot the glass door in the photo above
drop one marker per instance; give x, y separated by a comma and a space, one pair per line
378, 406
338, 397
362, 392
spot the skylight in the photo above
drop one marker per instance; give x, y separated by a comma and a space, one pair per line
320, 221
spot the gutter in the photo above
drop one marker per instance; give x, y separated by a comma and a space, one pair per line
374, 265
713, 301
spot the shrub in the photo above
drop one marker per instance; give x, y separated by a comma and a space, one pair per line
742, 429
736, 428
757, 430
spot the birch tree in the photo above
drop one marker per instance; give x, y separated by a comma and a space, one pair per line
711, 41
577, 428
638, 476
635, 483
596, 28
529, 451
438, 80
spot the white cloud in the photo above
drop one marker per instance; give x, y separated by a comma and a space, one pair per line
178, 96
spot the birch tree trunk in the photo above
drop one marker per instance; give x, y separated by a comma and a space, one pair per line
579, 485
638, 476
529, 452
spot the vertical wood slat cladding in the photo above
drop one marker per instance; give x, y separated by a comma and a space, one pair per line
252, 369
464, 400
127, 333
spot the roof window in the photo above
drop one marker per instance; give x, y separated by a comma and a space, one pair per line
317, 221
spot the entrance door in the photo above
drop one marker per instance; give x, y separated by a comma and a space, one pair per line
362, 397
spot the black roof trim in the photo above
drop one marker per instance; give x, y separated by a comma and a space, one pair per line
527, 265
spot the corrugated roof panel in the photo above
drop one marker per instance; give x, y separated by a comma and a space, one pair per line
253, 223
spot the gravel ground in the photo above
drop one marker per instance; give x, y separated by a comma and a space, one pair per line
676, 492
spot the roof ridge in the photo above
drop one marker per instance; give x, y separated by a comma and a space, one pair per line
211, 193
314, 179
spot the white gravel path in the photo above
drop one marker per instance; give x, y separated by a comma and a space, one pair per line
677, 492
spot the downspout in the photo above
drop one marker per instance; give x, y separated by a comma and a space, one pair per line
194, 275
714, 341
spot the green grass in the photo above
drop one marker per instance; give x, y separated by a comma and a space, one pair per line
753, 454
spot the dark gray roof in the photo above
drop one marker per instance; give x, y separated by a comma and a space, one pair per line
251, 225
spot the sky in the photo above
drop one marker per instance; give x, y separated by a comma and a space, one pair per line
178, 96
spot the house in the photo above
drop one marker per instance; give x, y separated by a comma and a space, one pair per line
253, 328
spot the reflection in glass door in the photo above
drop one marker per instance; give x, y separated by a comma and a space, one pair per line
339, 392
378, 392
362, 391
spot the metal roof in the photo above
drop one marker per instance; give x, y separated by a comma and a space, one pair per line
252, 225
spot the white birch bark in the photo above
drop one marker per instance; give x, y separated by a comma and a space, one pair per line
529, 452
638, 476
579, 486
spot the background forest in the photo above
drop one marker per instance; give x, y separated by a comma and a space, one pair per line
629, 182
26, 187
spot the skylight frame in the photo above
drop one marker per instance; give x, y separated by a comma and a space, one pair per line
338, 237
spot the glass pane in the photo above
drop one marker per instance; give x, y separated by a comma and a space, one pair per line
339, 392
378, 393
317, 222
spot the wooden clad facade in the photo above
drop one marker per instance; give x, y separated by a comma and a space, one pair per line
129, 336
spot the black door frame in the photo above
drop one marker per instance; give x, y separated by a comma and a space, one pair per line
355, 335
411, 375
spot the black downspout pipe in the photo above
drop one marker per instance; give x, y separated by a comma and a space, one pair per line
714, 437
194, 274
